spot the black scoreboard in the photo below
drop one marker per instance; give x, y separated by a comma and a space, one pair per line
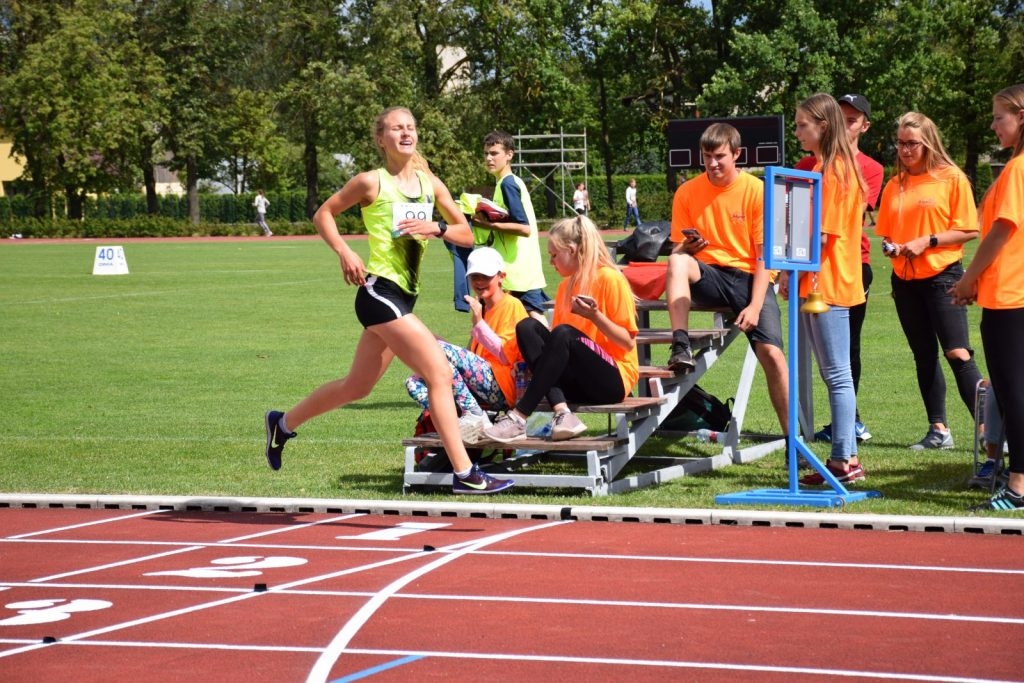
763, 141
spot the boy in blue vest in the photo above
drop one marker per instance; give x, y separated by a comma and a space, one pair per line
516, 237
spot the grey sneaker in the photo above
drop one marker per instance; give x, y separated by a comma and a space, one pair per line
681, 359
566, 426
472, 426
935, 438
506, 430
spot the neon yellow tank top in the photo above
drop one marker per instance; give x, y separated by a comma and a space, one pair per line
397, 259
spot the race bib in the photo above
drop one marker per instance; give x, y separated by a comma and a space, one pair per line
401, 211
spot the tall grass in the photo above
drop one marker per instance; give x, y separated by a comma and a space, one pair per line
156, 383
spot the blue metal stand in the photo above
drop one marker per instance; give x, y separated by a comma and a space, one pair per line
839, 495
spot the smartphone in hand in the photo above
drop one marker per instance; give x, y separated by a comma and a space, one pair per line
691, 233
586, 300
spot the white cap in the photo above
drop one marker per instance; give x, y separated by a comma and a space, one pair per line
485, 261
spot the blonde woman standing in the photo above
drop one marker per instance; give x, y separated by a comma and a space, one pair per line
926, 215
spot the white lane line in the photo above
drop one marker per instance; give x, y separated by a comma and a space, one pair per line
122, 563
696, 606
757, 562
714, 666
82, 525
297, 527
718, 607
581, 556
322, 669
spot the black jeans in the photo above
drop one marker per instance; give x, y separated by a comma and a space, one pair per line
565, 367
1002, 335
930, 318
857, 314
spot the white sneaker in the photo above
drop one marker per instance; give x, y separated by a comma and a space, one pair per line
472, 426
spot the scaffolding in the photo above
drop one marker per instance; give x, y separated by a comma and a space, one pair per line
549, 161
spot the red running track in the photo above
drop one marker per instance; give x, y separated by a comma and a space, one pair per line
163, 595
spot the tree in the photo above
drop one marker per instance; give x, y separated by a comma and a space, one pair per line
74, 111
200, 45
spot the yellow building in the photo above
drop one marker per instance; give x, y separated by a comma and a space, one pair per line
11, 167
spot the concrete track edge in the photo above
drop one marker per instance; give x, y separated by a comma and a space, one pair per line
491, 509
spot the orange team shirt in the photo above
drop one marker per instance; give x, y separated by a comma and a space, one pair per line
613, 296
840, 279
929, 203
1001, 285
873, 173
730, 218
502, 319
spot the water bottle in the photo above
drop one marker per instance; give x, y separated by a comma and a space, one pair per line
538, 425
522, 375
706, 435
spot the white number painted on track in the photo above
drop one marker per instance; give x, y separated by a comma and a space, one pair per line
49, 610
227, 567
396, 532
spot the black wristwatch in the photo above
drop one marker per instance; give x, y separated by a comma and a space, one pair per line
443, 227
933, 241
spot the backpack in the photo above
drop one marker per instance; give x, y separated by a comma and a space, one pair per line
699, 410
644, 244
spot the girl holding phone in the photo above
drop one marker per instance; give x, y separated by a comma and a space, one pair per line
589, 354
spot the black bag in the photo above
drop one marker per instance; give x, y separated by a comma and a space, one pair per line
699, 410
645, 243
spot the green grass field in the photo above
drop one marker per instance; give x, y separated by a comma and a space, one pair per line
156, 383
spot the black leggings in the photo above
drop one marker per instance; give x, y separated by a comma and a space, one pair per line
566, 367
1002, 335
932, 323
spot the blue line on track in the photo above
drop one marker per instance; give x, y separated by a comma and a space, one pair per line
366, 673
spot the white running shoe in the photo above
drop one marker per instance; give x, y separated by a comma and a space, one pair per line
472, 426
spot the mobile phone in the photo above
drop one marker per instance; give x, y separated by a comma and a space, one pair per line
588, 300
691, 233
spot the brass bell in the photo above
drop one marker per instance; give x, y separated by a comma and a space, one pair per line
814, 304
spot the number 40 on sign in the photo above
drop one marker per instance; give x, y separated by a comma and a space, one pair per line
110, 261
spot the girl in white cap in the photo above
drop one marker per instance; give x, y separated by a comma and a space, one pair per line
483, 373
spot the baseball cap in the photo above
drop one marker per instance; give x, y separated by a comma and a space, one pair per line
858, 102
485, 261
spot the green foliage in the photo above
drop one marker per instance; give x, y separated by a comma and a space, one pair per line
270, 93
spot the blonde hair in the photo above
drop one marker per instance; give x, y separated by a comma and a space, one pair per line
1012, 99
824, 109
591, 253
418, 162
933, 152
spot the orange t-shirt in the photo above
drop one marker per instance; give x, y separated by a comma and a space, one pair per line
502, 319
873, 173
840, 279
1001, 285
613, 296
730, 218
928, 204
